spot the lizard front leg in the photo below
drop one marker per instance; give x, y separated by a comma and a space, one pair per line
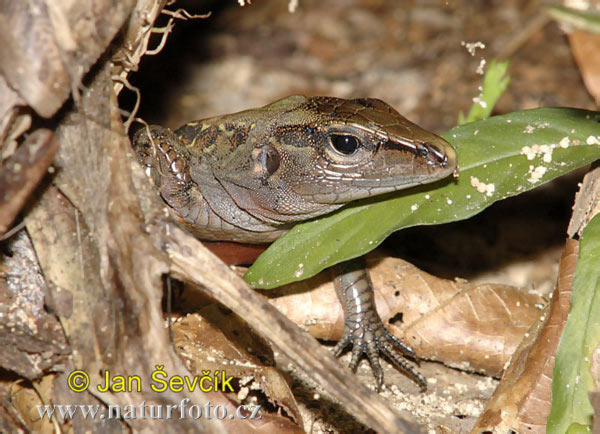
363, 328
159, 152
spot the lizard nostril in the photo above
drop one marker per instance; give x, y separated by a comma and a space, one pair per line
441, 157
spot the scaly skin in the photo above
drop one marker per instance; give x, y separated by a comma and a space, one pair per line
250, 176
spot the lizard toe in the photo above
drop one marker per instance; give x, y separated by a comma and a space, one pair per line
341, 345
390, 348
397, 343
357, 351
373, 356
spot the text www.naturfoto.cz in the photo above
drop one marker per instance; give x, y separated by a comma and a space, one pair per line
149, 411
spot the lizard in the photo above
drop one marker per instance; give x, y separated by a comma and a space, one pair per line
248, 177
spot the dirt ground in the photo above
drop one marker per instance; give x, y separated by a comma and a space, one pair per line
414, 55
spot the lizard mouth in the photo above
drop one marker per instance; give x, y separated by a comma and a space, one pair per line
412, 162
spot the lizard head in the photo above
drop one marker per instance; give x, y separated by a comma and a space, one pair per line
294, 159
343, 150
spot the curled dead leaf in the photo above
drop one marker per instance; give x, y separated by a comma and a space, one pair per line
222, 342
22, 172
60, 48
32, 339
26, 398
521, 401
586, 50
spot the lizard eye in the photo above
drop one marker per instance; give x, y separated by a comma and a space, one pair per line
344, 144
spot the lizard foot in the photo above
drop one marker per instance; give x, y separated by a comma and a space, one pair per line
372, 338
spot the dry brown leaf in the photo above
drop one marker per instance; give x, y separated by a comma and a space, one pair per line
32, 340
64, 40
10, 418
473, 327
521, 401
26, 398
587, 203
586, 50
223, 342
13, 122
21, 173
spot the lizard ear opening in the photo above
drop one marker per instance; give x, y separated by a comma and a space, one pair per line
266, 159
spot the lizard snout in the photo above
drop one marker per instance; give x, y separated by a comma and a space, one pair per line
441, 153
440, 157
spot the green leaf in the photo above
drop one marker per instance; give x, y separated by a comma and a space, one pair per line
495, 82
577, 428
583, 20
490, 155
572, 379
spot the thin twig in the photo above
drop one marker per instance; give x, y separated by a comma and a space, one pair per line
13, 231
138, 98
